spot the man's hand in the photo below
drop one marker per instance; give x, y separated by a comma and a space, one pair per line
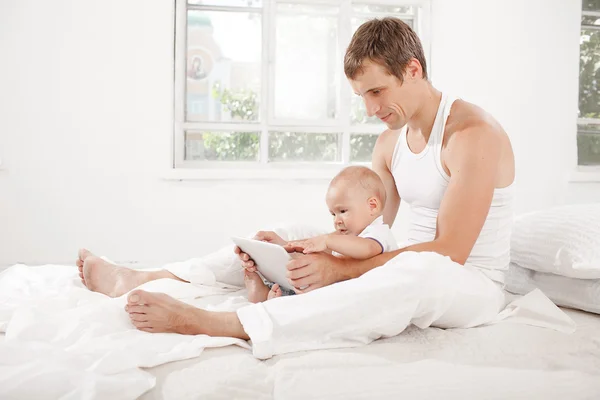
307, 246
314, 271
264, 236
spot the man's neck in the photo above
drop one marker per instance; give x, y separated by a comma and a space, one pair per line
423, 119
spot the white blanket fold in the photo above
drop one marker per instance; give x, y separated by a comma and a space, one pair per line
55, 327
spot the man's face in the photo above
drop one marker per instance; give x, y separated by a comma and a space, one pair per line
384, 95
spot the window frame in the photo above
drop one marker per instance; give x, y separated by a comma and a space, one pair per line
586, 173
263, 168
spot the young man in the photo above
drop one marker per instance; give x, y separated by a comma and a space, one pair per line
450, 160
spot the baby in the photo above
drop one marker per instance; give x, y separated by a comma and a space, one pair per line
356, 198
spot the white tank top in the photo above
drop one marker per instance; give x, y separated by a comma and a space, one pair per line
422, 182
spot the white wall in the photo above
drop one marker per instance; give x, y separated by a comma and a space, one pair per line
86, 119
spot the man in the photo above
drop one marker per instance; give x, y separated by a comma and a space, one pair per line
452, 163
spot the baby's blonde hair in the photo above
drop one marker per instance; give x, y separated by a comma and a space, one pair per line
363, 176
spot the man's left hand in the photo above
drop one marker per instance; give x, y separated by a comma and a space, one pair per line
314, 271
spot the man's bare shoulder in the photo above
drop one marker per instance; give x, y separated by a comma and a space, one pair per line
388, 138
384, 146
473, 132
467, 118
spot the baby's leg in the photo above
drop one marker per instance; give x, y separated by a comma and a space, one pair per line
257, 290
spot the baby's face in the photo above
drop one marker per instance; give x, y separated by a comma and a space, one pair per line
350, 209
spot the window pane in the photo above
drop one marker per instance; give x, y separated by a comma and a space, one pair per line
306, 63
358, 112
591, 5
368, 8
589, 74
222, 146
227, 3
223, 66
590, 20
361, 147
293, 146
588, 144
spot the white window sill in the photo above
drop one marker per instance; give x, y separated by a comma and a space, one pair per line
212, 174
585, 174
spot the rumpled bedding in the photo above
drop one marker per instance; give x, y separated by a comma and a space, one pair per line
64, 341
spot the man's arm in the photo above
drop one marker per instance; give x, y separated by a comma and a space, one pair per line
473, 166
382, 164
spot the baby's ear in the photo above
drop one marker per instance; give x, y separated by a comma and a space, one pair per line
374, 204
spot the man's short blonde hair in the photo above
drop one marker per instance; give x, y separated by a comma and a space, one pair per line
363, 177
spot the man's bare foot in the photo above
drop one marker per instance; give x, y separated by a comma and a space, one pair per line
81, 256
158, 312
257, 290
109, 279
274, 292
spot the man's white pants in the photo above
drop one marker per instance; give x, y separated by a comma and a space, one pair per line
425, 289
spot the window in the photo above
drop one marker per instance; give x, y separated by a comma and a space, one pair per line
261, 82
588, 126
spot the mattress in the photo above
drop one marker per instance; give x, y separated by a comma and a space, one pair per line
501, 361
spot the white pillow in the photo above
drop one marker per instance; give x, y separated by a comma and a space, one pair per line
582, 294
561, 240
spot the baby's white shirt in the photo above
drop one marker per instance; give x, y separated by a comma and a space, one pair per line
379, 232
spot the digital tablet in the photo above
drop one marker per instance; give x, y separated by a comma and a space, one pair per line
270, 259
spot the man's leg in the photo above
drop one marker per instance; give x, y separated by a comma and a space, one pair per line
158, 312
422, 289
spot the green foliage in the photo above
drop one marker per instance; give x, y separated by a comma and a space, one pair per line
292, 146
235, 146
588, 137
589, 74
361, 147
591, 5
283, 146
241, 104
588, 148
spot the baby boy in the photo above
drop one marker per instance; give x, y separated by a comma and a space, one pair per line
356, 199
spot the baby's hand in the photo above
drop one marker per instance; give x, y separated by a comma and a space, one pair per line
312, 245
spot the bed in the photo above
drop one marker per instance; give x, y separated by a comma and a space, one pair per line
67, 342
505, 360
495, 362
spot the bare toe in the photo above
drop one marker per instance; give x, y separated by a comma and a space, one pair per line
138, 298
274, 292
83, 254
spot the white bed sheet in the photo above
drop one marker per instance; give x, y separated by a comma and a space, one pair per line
505, 360
501, 361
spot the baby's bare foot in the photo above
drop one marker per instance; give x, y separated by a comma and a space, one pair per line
274, 292
257, 290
